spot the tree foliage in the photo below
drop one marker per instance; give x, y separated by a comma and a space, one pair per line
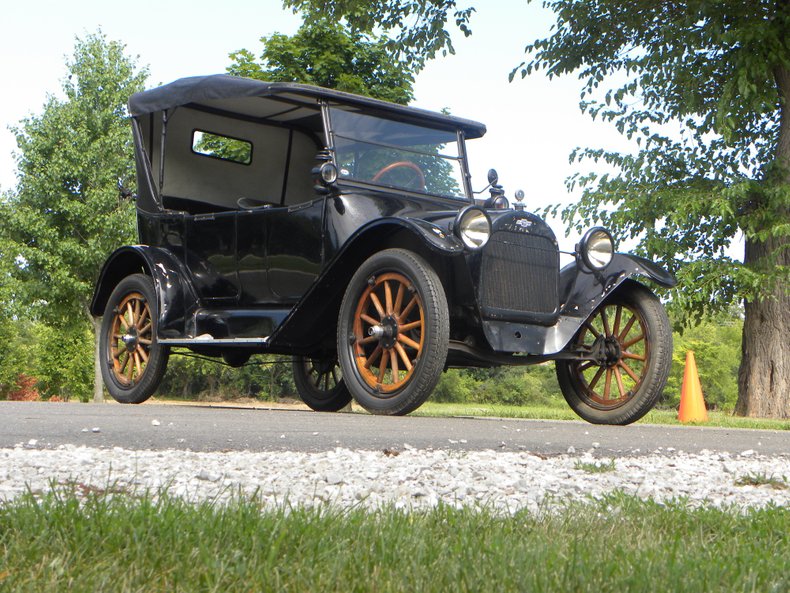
695, 85
419, 25
325, 53
66, 214
9, 355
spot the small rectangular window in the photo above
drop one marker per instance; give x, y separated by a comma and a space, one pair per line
221, 147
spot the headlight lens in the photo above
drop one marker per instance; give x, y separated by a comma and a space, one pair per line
473, 227
597, 248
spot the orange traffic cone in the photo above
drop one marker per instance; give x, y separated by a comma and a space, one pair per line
692, 404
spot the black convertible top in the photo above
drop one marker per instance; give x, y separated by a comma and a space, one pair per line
227, 93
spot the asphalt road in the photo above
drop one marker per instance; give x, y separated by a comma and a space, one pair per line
200, 428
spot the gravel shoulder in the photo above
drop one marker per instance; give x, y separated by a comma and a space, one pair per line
406, 477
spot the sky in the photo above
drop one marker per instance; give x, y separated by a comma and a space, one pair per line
533, 124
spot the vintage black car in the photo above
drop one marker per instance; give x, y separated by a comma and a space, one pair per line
343, 231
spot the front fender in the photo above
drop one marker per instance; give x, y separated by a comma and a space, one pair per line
176, 296
432, 235
582, 290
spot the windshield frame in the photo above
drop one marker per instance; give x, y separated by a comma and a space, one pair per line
465, 178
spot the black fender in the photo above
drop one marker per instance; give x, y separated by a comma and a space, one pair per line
319, 307
177, 298
432, 235
581, 291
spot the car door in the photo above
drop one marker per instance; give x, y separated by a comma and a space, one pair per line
279, 252
294, 254
252, 231
211, 256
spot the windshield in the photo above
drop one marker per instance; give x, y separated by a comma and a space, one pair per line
396, 154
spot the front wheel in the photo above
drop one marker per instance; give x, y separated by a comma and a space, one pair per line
393, 332
630, 336
132, 361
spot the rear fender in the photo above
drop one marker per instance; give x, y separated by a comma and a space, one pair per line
176, 296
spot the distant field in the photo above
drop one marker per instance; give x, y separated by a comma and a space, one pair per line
532, 412
93, 542
720, 419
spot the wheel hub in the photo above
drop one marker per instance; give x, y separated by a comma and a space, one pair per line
130, 339
607, 351
386, 331
613, 351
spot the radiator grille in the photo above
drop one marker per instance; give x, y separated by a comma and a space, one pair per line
520, 273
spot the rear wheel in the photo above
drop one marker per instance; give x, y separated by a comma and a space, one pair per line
319, 382
631, 338
132, 361
393, 332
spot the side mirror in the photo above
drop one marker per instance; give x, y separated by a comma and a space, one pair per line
493, 177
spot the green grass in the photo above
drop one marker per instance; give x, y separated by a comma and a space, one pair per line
563, 412
595, 467
100, 543
761, 479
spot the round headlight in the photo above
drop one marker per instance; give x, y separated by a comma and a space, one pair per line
473, 227
596, 248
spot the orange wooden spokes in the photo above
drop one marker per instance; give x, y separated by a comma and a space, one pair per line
130, 339
622, 326
388, 332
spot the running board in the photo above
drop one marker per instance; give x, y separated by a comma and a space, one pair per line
206, 340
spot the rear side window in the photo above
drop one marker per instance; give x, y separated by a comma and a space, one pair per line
221, 147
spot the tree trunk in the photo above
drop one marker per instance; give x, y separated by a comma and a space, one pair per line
98, 384
764, 374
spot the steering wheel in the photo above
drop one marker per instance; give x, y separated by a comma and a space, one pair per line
419, 177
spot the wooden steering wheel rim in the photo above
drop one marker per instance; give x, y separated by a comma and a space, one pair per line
399, 164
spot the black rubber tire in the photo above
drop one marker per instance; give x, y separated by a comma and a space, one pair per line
431, 357
654, 373
146, 383
309, 374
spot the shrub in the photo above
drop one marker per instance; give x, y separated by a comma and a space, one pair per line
25, 389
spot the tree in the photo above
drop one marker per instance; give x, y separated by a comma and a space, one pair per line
9, 359
325, 53
703, 88
420, 25
66, 214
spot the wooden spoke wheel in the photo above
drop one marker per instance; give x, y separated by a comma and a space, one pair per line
393, 332
133, 361
319, 381
620, 333
131, 336
629, 341
388, 332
